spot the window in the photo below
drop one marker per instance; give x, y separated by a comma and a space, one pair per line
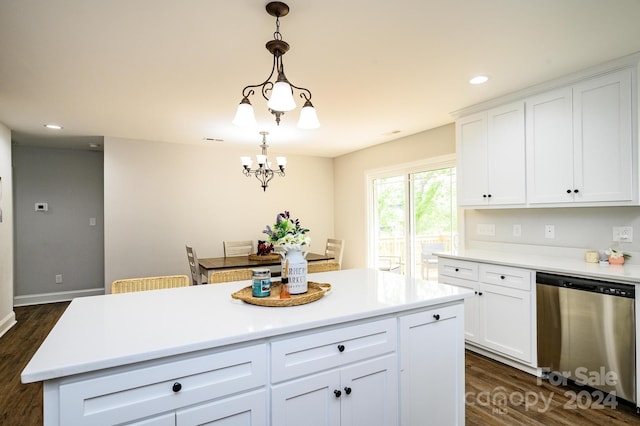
412, 214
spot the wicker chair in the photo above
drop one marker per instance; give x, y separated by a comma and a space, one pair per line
149, 283
229, 275
322, 267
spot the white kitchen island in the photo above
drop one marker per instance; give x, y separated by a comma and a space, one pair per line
379, 349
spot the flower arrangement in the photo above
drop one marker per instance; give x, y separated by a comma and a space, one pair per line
264, 248
616, 254
287, 233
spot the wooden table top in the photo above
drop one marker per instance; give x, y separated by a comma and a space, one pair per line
212, 263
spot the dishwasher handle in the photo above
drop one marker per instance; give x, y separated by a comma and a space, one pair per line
581, 286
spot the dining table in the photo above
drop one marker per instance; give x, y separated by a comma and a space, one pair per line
209, 265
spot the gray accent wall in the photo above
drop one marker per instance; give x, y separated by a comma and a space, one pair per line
62, 240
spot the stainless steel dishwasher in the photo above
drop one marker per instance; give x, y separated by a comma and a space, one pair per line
586, 332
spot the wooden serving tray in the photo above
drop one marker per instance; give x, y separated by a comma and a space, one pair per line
314, 292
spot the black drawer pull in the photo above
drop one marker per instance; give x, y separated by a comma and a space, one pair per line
337, 393
480, 293
502, 277
341, 348
436, 316
457, 270
347, 390
177, 387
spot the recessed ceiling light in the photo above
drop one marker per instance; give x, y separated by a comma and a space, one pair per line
479, 79
212, 139
53, 126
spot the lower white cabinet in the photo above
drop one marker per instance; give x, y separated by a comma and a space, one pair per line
364, 393
400, 367
499, 317
432, 375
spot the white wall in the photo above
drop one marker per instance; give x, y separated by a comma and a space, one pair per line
350, 171
160, 196
7, 317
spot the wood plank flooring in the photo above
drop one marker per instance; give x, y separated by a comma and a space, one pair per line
496, 394
21, 405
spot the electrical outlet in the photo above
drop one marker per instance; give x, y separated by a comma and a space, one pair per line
623, 234
488, 229
517, 230
58, 278
549, 231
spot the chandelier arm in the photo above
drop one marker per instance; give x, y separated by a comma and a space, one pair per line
265, 85
306, 93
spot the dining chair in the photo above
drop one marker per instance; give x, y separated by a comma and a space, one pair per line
237, 248
228, 275
429, 260
197, 277
149, 283
335, 249
322, 267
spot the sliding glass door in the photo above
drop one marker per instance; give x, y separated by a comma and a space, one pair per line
413, 214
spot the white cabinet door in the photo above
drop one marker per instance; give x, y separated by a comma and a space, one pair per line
549, 144
472, 173
370, 393
471, 315
506, 154
432, 374
603, 138
506, 324
365, 393
308, 401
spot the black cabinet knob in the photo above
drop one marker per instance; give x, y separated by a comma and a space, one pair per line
502, 277
484, 195
436, 316
176, 387
568, 191
476, 292
341, 348
337, 393
575, 191
347, 390
457, 270
480, 293
489, 195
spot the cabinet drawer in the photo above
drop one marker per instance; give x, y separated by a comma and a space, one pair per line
458, 269
304, 355
506, 276
131, 394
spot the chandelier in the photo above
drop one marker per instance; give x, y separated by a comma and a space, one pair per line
279, 95
264, 173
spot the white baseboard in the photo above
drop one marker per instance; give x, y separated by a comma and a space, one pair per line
63, 296
7, 322
527, 368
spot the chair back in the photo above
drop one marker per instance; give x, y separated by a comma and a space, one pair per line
228, 275
335, 249
237, 248
194, 266
149, 283
429, 248
322, 267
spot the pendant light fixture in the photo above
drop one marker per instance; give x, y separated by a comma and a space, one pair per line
263, 173
279, 95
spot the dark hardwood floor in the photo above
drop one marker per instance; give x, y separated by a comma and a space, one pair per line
496, 394
21, 405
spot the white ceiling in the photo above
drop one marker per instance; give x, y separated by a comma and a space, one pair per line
167, 70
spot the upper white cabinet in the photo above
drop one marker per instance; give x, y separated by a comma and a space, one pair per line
580, 143
491, 157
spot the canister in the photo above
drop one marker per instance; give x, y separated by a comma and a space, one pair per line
261, 282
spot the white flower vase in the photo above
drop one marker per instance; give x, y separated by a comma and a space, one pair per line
297, 270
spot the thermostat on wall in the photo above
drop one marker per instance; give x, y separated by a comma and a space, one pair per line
42, 207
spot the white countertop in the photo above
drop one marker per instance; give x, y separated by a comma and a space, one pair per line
553, 264
107, 331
